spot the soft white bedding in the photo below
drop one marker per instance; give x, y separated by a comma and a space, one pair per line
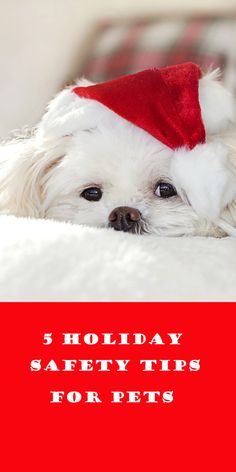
51, 261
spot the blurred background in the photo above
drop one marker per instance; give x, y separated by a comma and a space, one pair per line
46, 44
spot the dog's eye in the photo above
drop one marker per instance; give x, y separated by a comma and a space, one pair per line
93, 194
165, 190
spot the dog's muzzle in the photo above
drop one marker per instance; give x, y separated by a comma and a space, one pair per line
126, 219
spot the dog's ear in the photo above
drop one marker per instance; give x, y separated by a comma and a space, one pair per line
205, 178
24, 169
217, 104
64, 115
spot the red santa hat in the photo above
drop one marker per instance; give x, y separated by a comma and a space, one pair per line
163, 102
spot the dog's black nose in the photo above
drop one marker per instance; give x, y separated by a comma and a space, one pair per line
124, 219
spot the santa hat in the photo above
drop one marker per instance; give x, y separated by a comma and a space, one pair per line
163, 102
178, 107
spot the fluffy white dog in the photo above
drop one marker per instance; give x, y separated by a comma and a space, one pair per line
85, 164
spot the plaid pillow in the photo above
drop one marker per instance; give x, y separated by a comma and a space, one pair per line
123, 48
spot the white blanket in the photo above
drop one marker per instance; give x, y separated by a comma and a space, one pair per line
51, 261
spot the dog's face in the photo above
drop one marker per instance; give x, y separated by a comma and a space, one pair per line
112, 174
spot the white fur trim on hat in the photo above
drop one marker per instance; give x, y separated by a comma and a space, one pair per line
217, 104
63, 115
204, 178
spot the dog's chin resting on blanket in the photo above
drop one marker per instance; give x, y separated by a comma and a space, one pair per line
87, 165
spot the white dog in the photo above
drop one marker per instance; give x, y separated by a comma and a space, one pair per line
87, 165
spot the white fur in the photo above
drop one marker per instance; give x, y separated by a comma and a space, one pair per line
80, 143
